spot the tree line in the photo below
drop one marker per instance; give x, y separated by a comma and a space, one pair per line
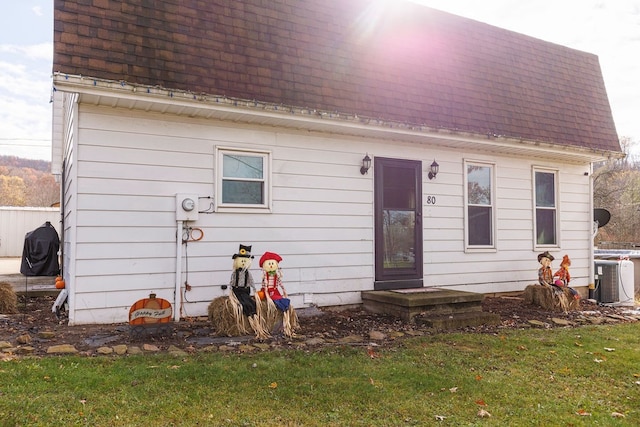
616, 188
27, 182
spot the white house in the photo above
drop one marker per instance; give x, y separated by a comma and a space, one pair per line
262, 113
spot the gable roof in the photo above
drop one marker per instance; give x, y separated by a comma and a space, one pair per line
401, 62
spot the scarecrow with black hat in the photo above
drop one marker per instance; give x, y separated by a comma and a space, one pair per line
241, 284
545, 275
271, 287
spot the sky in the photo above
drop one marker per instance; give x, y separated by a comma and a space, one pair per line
609, 29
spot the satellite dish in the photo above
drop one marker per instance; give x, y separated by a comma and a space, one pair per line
601, 216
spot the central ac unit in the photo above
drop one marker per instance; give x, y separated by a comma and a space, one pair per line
614, 282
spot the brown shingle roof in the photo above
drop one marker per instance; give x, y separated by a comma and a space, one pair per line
405, 63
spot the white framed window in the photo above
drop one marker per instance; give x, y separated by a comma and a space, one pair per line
479, 192
546, 207
243, 179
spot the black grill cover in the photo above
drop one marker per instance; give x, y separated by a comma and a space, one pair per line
40, 253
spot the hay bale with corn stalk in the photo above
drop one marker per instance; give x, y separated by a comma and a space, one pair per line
551, 298
8, 299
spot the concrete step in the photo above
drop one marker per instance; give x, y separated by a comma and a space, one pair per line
31, 285
428, 302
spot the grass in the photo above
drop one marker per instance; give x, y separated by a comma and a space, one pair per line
558, 377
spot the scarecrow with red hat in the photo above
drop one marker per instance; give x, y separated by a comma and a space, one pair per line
241, 284
564, 277
271, 287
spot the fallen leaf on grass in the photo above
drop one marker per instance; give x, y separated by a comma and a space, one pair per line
174, 367
478, 377
372, 354
83, 401
440, 417
583, 413
617, 415
609, 349
273, 385
578, 344
453, 389
483, 414
481, 402
598, 360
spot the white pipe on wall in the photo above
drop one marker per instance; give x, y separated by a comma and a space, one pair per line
176, 300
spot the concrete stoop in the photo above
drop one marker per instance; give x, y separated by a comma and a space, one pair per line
436, 308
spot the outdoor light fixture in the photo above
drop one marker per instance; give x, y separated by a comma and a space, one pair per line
433, 169
366, 164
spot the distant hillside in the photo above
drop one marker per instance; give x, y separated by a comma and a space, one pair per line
17, 162
27, 182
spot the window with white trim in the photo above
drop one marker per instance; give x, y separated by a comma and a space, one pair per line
546, 212
243, 178
479, 205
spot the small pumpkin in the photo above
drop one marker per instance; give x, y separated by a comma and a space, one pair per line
60, 284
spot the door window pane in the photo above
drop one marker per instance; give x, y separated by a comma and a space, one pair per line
399, 235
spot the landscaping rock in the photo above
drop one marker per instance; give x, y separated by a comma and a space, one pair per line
175, 351
62, 349
46, 335
120, 349
538, 323
27, 349
150, 348
104, 350
24, 339
133, 350
350, 339
561, 322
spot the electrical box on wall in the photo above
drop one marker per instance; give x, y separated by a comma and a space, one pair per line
186, 207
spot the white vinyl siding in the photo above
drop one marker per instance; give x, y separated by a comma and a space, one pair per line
126, 166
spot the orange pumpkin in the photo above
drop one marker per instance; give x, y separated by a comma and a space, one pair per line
150, 310
60, 284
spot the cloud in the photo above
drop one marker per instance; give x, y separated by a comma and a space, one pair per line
40, 51
37, 10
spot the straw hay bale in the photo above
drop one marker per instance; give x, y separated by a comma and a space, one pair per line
548, 298
221, 312
8, 299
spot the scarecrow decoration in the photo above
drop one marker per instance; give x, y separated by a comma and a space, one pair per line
276, 300
240, 298
552, 294
563, 277
545, 275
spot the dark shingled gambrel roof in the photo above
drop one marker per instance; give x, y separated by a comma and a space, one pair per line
400, 62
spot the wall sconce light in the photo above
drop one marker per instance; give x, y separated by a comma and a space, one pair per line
433, 169
366, 164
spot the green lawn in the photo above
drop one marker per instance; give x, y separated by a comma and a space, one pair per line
558, 377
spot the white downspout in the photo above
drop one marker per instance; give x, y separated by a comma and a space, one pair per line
592, 271
176, 301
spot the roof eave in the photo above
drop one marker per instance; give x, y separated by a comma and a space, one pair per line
120, 94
